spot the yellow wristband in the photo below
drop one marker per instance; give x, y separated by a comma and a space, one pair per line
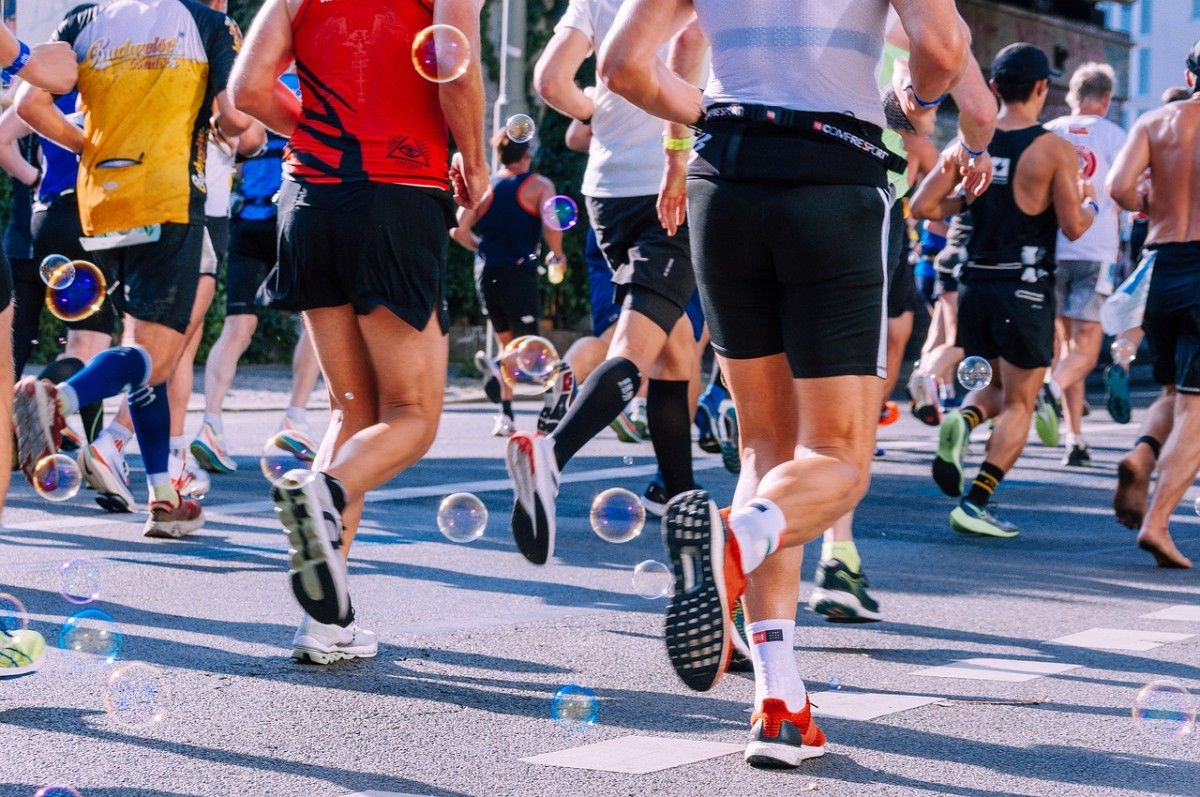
671, 144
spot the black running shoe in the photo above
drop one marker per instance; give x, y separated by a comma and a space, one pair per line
841, 596
1078, 457
655, 498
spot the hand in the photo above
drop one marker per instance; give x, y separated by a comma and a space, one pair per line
52, 66
1087, 189
672, 195
468, 181
976, 171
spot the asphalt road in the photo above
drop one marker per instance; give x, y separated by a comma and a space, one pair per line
475, 642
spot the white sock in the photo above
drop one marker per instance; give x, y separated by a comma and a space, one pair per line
1055, 390
119, 432
215, 422
178, 444
297, 414
757, 526
775, 671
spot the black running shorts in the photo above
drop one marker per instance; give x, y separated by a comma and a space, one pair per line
652, 270
795, 269
1008, 319
218, 236
367, 245
159, 278
1172, 316
56, 230
509, 294
251, 258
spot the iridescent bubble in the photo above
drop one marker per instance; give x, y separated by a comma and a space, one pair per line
80, 580
13, 615
574, 707
93, 632
441, 53
136, 694
617, 515
974, 373
1165, 708
462, 517
349, 396
834, 684
560, 213
529, 364
57, 271
652, 580
80, 299
285, 452
627, 460
56, 791
520, 128
57, 478
1123, 351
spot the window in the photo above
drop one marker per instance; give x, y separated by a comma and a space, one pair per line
1146, 13
1143, 71
1126, 23
1195, 9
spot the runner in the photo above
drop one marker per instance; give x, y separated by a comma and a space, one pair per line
363, 229
1086, 267
651, 266
152, 118
1006, 301
1164, 141
510, 230
797, 315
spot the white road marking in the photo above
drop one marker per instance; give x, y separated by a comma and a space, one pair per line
1014, 670
1119, 639
864, 705
1182, 613
635, 755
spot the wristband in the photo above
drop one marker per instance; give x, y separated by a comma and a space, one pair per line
1093, 204
672, 144
922, 103
19, 62
972, 153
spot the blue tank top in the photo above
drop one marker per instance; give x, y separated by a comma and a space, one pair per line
508, 233
262, 176
60, 166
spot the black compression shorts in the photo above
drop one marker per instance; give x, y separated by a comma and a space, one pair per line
251, 258
1172, 317
509, 294
1008, 319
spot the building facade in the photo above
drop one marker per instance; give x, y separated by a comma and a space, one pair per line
1163, 31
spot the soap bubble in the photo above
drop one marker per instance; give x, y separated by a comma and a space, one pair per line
80, 580
57, 271
617, 515
974, 373
1123, 351
529, 364
441, 53
652, 580
57, 478
13, 614
287, 451
520, 128
93, 632
462, 517
136, 694
575, 707
560, 213
56, 791
1165, 708
834, 684
82, 297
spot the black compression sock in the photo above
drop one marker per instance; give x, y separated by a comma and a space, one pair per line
972, 415
506, 408
671, 433
1155, 446
601, 399
985, 484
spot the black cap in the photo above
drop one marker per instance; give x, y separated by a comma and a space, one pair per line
1193, 60
1022, 62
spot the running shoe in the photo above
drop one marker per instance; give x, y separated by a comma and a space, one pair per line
210, 452
173, 520
325, 643
708, 572
71, 442
557, 400
740, 660
947, 464
39, 422
314, 530
1116, 393
889, 413
840, 594
1078, 457
491, 376
105, 470
923, 397
637, 416
731, 454
286, 424
626, 429
655, 499
534, 473
21, 652
880, 452
708, 411
1045, 416
1085, 409
503, 426
781, 738
189, 480
971, 519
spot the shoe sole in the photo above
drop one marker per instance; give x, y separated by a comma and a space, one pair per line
208, 459
697, 628
947, 464
531, 529
39, 429
319, 586
838, 606
731, 458
968, 526
112, 500
312, 655
653, 507
626, 432
172, 530
1045, 424
1116, 389
773, 755
928, 414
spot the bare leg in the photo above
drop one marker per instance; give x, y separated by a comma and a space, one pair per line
179, 387
1137, 467
506, 391
1019, 390
84, 345
1082, 346
6, 402
1177, 469
305, 370
899, 330
223, 358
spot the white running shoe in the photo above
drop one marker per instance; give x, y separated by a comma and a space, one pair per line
504, 426
189, 479
286, 424
105, 470
314, 530
534, 472
322, 643
210, 451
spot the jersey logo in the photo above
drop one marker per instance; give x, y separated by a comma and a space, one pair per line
409, 151
1079, 131
1000, 169
1087, 161
235, 33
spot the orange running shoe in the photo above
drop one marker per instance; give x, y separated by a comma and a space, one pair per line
708, 570
889, 413
782, 738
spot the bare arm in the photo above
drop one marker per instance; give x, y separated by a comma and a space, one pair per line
686, 59
938, 43
552, 235
1069, 191
252, 140
12, 129
630, 66
578, 137
51, 65
1125, 176
554, 74
976, 107
937, 197
462, 104
254, 86
462, 233
36, 107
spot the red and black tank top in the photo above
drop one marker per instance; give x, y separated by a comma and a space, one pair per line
366, 114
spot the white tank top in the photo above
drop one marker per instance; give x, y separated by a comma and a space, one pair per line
807, 55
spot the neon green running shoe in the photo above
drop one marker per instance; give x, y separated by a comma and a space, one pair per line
947, 465
972, 519
21, 652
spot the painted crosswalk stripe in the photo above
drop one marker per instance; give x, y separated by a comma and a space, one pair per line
1013, 670
864, 705
1182, 613
635, 755
1120, 639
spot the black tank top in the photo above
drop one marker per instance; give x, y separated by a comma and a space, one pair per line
1006, 241
508, 233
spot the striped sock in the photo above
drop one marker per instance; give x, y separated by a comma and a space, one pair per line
985, 484
972, 415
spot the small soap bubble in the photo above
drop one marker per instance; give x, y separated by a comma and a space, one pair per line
82, 297
348, 396
56, 791
617, 515
974, 373
1165, 708
92, 632
57, 478
574, 707
285, 452
136, 694
653, 580
1123, 351
520, 128
80, 580
560, 213
627, 460
529, 364
57, 271
13, 614
462, 517
441, 53
834, 684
